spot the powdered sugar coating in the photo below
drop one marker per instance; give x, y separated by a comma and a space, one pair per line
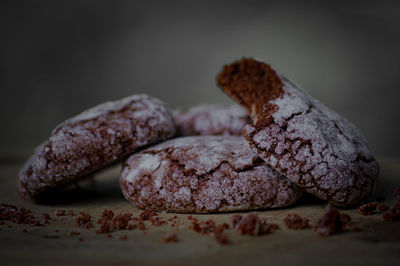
204, 174
315, 148
94, 139
212, 120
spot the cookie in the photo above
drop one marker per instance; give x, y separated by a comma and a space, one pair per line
311, 145
93, 139
202, 174
211, 120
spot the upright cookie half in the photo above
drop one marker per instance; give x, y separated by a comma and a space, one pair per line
300, 137
94, 139
212, 120
204, 174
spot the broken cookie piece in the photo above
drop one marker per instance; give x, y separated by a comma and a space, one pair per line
204, 174
300, 137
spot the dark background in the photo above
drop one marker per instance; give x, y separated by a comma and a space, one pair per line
59, 58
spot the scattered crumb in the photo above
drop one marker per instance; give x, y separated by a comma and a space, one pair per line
203, 227
170, 238
393, 213
332, 222
84, 220
368, 208
124, 237
295, 221
60, 212
74, 233
397, 193
19, 216
51, 236
152, 217
219, 235
80, 239
252, 225
383, 207
46, 218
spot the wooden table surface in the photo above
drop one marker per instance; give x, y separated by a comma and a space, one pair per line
377, 244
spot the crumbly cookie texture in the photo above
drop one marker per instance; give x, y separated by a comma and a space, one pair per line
212, 119
310, 144
94, 139
203, 174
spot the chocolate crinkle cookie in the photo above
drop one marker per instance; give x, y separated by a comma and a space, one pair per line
203, 174
311, 145
94, 139
212, 119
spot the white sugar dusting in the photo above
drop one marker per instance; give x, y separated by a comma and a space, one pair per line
204, 174
212, 120
308, 136
147, 163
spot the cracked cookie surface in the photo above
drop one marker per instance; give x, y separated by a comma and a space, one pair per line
203, 174
212, 119
94, 139
310, 144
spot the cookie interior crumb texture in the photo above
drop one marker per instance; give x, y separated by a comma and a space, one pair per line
204, 174
299, 136
93, 139
251, 84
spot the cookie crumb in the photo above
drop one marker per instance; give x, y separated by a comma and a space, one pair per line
51, 236
393, 214
60, 212
397, 193
383, 207
80, 239
74, 233
219, 235
296, 222
368, 208
170, 238
252, 225
203, 227
84, 220
46, 218
124, 237
152, 216
110, 222
332, 222
18, 216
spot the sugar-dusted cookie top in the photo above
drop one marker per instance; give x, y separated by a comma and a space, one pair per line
310, 144
212, 119
203, 174
94, 139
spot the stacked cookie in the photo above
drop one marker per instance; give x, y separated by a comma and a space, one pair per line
291, 143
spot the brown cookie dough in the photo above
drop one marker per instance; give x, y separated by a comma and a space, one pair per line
212, 120
204, 174
94, 139
311, 145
